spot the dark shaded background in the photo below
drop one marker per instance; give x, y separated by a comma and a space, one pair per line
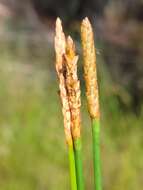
32, 148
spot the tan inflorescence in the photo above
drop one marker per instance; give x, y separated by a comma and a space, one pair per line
60, 51
90, 74
66, 67
73, 87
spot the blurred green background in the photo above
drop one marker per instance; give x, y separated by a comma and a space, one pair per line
33, 152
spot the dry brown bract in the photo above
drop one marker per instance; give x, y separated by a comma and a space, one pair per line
90, 68
69, 85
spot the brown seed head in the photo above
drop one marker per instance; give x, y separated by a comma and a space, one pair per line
60, 51
73, 87
60, 45
90, 68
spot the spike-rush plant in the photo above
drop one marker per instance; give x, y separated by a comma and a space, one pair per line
69, 85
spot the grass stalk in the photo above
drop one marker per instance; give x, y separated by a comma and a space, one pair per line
73, 89
90, 75
96, 154
72, 168
78, 164
60, 45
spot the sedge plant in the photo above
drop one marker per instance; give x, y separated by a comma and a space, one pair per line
73, 89
90, 75
60, 44
69, 85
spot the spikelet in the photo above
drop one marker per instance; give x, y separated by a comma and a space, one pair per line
73, 87
90, 68
60, 51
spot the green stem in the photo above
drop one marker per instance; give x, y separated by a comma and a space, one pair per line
72, 168
96, 154
78, 164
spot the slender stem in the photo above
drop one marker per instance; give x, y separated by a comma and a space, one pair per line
72, 168
78, 164
96, 154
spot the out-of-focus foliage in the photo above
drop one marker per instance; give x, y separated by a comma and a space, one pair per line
118, 24
33, 153
65, 9
121, 30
